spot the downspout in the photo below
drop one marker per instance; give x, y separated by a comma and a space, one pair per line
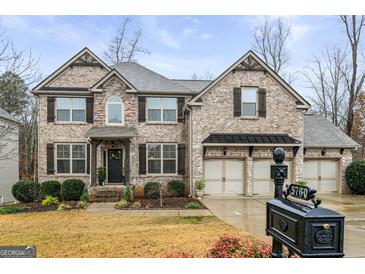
190, 151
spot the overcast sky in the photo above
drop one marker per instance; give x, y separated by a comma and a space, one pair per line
179, 45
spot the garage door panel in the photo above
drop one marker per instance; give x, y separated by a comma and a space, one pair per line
234, 177
321, 175
312, 183
261, 169
213, 169
328, 185
328, 169
310, 169
262, 187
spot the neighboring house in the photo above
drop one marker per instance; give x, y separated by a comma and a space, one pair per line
9, 155
145, 127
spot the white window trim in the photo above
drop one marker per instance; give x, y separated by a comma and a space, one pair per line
70, 109
107, 112
70, 159
162, 159
161, 121
257, 103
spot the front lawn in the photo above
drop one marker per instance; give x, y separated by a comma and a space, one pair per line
85, 234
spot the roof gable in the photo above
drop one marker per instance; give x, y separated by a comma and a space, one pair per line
251, 62
85, 57
98, 87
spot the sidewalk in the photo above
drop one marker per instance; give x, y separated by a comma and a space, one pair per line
108, 208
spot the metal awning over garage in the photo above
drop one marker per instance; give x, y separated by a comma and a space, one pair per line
106, 133
249, 139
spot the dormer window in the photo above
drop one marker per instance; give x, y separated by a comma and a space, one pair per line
115, 109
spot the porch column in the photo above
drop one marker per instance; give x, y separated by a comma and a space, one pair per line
93, 162
127, 161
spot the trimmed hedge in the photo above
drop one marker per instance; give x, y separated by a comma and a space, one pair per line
355, 177
152, 190
176, 188
72, 189
25, 191
50, 188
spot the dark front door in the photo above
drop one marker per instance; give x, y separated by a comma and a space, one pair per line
115, 163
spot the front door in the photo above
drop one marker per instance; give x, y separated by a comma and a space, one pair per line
115, 163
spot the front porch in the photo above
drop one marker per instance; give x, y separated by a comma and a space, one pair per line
110, 148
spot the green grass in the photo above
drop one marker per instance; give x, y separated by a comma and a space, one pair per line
8, 209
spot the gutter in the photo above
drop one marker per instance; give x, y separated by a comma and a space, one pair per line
191, 194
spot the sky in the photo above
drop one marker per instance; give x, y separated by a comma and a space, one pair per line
179, 45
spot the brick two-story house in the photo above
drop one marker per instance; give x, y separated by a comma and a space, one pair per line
145, 127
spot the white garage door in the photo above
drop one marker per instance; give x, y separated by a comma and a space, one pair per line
321, 174
262, 183
223, 176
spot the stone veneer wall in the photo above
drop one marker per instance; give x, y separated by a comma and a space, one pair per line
216, 116
345, 159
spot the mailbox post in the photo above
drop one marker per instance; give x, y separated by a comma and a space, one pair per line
304, 228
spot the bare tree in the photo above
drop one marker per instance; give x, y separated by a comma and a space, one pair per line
271, 43
325, 77
124, 46
353, 76
208, 75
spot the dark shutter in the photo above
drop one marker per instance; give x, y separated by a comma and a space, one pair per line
180, 107
90, 110
262, 102
142, 158
237, 101
181, 159
50, 158
51, 109
141, 109
88, 158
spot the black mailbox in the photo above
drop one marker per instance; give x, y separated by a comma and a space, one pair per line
303, 227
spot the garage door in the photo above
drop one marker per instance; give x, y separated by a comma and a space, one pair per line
223, 176
262, 183
321, 174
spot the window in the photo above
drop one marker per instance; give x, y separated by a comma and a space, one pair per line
115, 110
71, 158
161, 158
248, 101
71, 109
161, 109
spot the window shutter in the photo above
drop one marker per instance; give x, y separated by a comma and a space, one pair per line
142, 158
180, 106
237, 101
141, 109
90, 110
262, 102
50, 158
181, 159
88, 158
51, 109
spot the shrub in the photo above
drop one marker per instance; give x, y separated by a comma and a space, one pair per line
176, 188
233, 247
8, 209
127, 193
64, 206
193, 205
72, 189
199, 184
152, 190
50, 200
355, 177
122, 204
301, 183
25, 191
136, 205
85, 196
82, 204
52, 188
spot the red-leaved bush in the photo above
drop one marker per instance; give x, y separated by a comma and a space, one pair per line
233, 247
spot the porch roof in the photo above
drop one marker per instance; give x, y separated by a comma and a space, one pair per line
250, 139
110, 132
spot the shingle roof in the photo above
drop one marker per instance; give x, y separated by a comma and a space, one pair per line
249, 138
145, 79
110, 132
195, 85
321, 133
4, 114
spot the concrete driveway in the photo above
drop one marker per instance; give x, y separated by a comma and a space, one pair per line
249, 214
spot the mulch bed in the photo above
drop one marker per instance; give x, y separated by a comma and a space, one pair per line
38, 207
167, 203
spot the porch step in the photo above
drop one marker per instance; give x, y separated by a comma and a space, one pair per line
105, 194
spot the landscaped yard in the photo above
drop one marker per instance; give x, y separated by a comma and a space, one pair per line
84, 234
